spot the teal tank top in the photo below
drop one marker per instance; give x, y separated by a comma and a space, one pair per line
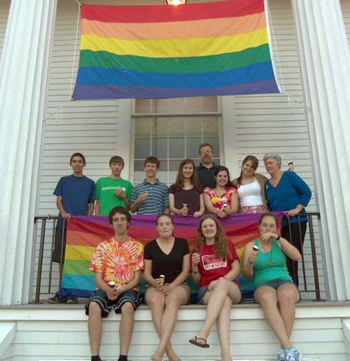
270, 266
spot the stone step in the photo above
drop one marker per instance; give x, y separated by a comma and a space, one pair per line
186, 359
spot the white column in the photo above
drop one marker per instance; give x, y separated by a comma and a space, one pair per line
23, 88
325, 65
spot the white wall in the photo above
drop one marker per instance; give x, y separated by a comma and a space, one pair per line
100, 129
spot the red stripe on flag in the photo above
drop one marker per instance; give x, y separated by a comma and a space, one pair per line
163, 13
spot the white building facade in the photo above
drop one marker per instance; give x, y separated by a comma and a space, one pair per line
40, 127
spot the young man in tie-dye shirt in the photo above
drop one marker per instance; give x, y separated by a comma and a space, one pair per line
118, 264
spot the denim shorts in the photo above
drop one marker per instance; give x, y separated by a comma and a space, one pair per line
201, 294
100, 297
202, 291
275, 284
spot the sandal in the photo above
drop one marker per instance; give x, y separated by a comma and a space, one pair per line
202, 344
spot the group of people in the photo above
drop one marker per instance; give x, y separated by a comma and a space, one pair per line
204, 192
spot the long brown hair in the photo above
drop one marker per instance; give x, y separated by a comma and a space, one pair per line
221, 249
222, 168
255, 162
179, 184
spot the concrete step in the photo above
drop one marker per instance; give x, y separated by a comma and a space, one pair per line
183, 359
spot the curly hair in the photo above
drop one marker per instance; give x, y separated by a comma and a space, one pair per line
221, 249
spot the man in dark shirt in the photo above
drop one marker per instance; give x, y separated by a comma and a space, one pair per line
207, 168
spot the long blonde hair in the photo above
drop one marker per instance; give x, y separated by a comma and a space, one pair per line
221, 249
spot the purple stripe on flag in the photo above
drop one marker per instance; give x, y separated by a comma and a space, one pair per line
85, 92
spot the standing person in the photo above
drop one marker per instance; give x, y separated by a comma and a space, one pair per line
291, 167
274, 287
151, 196
287, 192
118, 260
167, 266
215, 268
223, 198
75, 197
207, 168
185, 196
251, 187
113, 191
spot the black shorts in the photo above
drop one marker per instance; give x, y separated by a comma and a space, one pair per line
106, 305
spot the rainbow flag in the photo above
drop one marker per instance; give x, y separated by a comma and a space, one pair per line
203, 49
85, 233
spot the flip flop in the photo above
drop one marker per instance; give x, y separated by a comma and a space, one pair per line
202, 344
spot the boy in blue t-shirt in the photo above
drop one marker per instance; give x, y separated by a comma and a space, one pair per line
75, 197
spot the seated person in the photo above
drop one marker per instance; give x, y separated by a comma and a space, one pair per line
185, 196
167, 266
113, 191
215, 267
151, 196
274, 287
117, 263
223, 199
251, 187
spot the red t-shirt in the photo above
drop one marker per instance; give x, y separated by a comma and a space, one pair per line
212, 268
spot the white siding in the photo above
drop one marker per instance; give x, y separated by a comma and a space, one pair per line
264, 123
4, 10
346, 14
100, 129
57, 334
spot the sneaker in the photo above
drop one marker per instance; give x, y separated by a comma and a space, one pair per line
292, 354
72, 300
57, 299
281, 356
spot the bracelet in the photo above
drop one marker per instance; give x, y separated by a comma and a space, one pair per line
195, 272
278, 238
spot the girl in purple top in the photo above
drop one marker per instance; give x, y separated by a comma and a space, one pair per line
185, 196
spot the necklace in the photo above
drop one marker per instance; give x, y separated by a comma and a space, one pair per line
268, 254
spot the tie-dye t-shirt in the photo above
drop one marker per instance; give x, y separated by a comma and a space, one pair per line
118, 261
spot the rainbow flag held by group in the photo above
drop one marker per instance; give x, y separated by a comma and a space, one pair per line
85, 233
158, 51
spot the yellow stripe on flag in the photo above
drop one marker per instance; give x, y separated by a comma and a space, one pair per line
176, 48
79, 253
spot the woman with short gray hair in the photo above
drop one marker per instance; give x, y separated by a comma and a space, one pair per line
287, 192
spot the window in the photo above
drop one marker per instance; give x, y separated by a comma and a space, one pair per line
173, 129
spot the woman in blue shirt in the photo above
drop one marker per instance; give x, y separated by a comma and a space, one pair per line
287, 192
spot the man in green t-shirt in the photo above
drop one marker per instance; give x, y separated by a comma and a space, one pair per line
113, 191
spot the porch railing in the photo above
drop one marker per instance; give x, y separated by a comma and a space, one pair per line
48, 275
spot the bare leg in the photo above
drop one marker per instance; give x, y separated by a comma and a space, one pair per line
223, 324
267, 297
176, 297
215, 301
95, 328
287, 296
156, 303
125, 328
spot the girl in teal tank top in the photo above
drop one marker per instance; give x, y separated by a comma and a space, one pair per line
270, 266
265, 261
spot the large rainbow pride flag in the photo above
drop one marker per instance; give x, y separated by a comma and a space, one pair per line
85, 233
203, 49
